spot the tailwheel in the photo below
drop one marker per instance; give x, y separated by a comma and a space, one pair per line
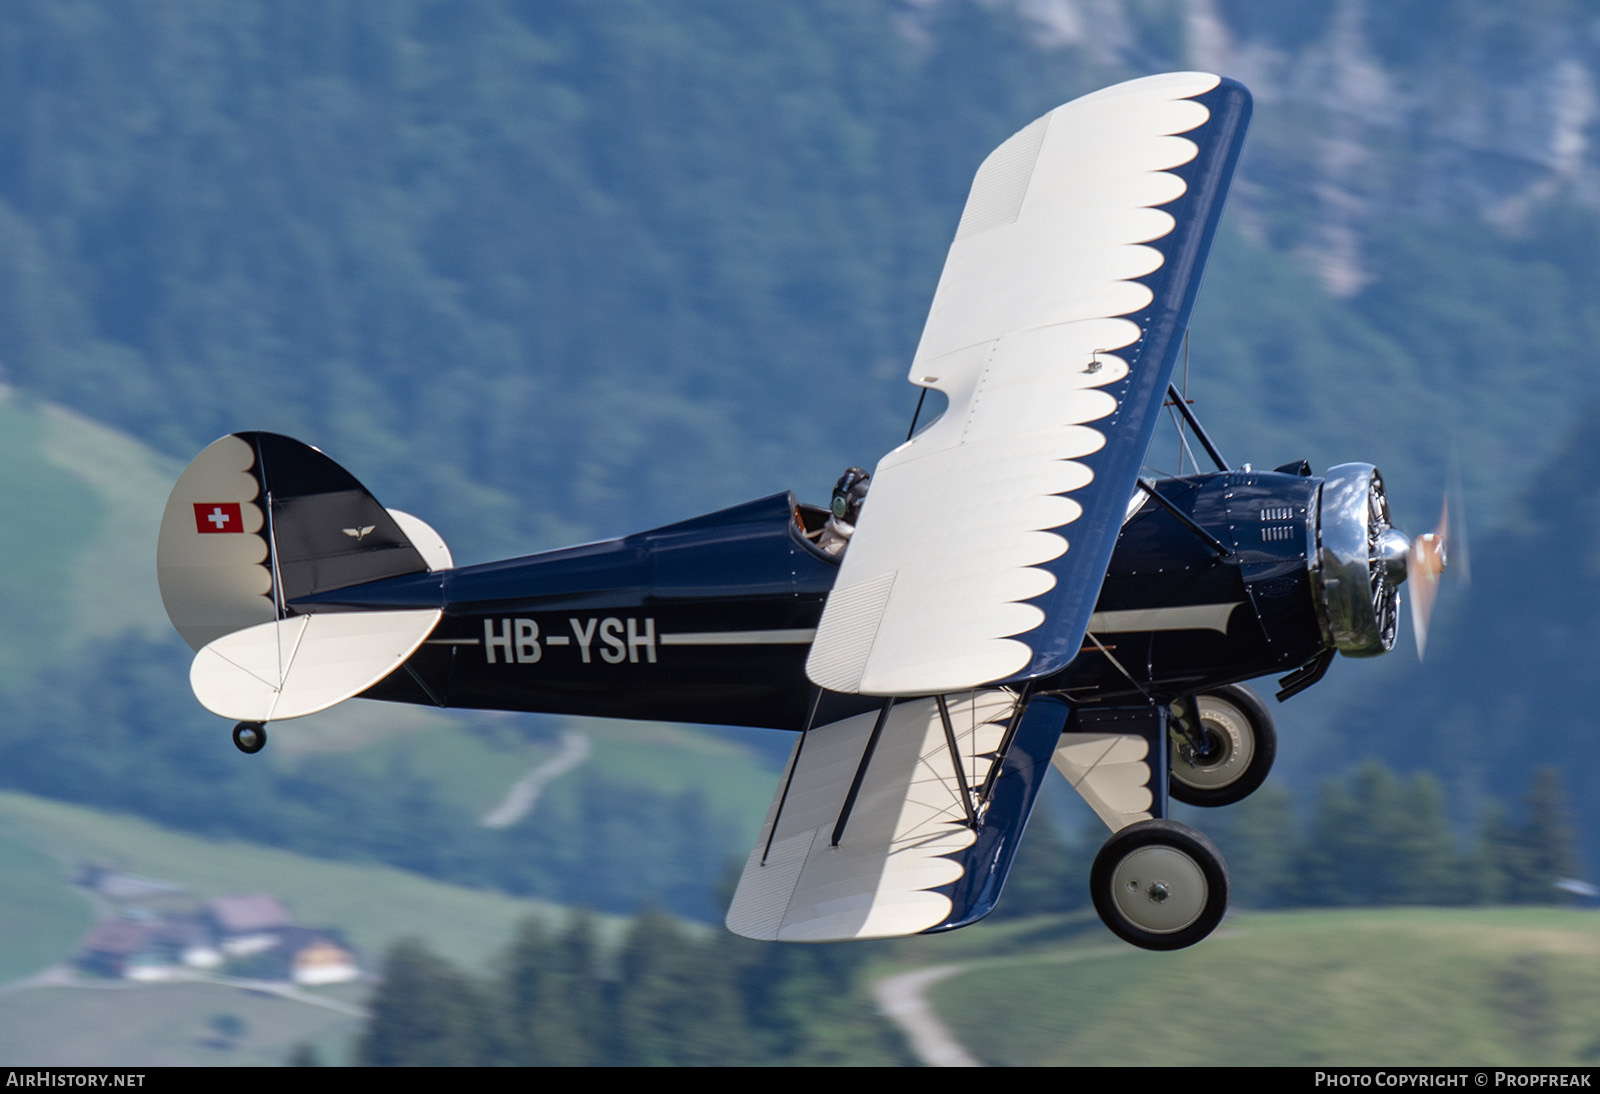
1223, 745
250, 737
1159, 885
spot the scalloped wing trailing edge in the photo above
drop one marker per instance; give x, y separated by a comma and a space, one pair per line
908, 860
1053, 332
902, 846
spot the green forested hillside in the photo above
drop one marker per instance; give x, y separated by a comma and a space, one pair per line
510, 255
547, 270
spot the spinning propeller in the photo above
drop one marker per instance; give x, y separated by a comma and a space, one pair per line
1427, 557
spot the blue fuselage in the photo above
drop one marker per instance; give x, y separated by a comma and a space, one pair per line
710, 620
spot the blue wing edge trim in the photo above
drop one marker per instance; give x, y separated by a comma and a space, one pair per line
1068, 605
988, 860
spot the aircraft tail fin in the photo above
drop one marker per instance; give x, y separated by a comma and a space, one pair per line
255, 523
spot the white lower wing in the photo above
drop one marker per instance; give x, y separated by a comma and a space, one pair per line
882, 877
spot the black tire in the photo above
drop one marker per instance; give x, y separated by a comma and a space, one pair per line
250, 737
1237, 723
1160, 885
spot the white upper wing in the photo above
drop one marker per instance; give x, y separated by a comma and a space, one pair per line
1052, 334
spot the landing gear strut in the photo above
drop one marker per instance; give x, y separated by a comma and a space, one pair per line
250, 737
1223, 745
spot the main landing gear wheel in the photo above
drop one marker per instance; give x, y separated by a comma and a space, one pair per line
250, 737
1160, 885
1226, 757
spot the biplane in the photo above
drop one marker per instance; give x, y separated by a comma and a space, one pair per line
1017, 594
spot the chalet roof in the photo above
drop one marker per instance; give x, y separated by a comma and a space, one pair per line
240, 914
118, 937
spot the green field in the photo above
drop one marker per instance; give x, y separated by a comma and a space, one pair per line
373, 905
53, 516
114, 589
1390, 987
737, 783
475, 759
78, 545
41, 917
1378, 987
164, 1025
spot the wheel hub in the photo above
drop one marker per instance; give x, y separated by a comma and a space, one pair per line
249, 737
1211, 752
1225, 751
1161, 889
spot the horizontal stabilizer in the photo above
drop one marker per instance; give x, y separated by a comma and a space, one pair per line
305, 663
429, 544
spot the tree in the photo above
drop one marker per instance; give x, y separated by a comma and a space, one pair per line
427, 1013
304, 1055
1261, 840
1382, 842
677, 1001
1528, 858
1425, 865
1336, 850
553, 997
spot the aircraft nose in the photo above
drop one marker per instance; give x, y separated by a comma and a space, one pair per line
1390, 552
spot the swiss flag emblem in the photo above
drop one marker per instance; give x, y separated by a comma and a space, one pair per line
211, 517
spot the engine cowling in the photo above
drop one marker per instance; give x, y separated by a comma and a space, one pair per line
1360, 562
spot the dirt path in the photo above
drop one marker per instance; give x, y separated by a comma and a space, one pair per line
524, 795
901, 998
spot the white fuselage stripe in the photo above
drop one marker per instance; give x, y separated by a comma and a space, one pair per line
797, 637
1194, 617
